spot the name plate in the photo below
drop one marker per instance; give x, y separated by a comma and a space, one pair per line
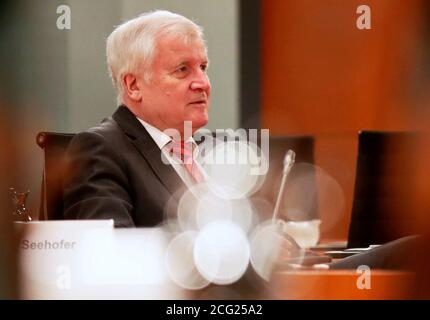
57, 235
49, 255
90, 259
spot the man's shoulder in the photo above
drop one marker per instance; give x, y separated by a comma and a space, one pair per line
107, 128
107, 132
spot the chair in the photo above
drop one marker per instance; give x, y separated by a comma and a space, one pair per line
385, 174
265, 197
54, 146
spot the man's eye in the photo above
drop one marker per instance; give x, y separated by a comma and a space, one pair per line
182, 69
204, 67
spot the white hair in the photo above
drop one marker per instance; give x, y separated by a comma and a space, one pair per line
132, 44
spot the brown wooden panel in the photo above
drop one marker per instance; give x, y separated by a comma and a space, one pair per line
323, 76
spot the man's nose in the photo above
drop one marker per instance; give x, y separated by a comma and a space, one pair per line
201, 82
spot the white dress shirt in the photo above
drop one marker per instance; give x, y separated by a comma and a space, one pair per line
162, 139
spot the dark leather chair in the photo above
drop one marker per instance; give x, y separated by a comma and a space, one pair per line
385, 175
54, 146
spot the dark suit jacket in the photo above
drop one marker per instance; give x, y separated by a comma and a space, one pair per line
115, 171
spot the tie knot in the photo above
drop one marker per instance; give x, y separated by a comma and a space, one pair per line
182, 150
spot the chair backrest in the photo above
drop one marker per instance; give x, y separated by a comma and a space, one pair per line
306, 203
383, 188
54, 146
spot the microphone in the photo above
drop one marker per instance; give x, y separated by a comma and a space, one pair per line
297, 255
288, 164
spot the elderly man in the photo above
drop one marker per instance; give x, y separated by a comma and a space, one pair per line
158, 64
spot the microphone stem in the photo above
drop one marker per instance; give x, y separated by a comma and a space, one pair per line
289, 160
281, 192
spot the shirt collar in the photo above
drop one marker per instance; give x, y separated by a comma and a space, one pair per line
160, 138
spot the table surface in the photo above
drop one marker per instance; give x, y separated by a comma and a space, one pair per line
342, 284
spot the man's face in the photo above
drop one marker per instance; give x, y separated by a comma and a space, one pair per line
179, 88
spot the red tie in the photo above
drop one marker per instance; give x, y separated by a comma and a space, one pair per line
184, 152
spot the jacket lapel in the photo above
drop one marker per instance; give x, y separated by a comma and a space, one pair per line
147, 147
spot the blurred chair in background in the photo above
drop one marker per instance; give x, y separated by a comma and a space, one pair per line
383, 196
54, 147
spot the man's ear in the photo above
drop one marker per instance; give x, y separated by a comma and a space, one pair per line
132, 88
